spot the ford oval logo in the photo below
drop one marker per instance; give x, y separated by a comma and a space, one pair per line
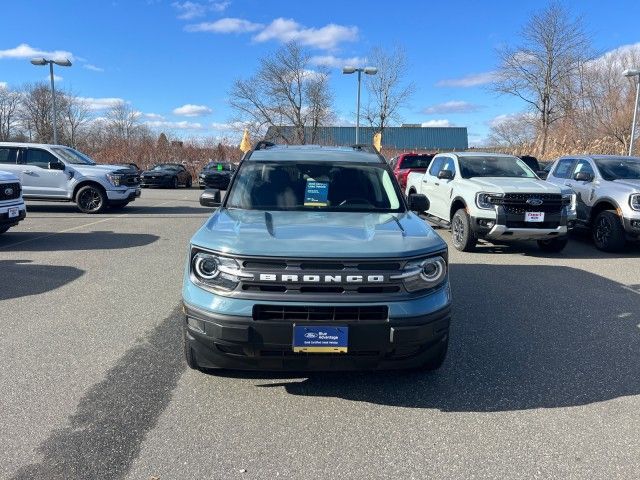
310, 335
534, 202
8, 191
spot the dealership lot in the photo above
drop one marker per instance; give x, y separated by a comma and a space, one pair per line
542, 378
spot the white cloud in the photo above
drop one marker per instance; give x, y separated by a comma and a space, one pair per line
472, 80
288, 30
56, 78
452, 106
27, 51
92, 67
183, 125
4, 85
438, 123
190, 110
337, 62
152, 116
101, 103
225, 25
190, 10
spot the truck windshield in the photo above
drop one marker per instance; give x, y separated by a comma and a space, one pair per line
619, 168
310, 186
487, 166
69, 155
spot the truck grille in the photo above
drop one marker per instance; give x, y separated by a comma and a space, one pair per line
516, 203
9, 191
285, 313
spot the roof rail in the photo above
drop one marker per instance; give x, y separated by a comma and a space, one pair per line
264, 144
363, 147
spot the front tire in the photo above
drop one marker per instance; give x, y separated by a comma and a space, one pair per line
608, 232
462, 235
91, 199
554, 245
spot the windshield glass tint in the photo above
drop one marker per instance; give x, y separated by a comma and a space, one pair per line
314, 186
165, 167
494, 167
72, 156
416, 161
619, 168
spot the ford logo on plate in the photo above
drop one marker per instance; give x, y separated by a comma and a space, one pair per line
310, 335
535, 202
8, 191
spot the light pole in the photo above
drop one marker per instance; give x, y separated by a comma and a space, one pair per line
63, 63
368, 71
633, 72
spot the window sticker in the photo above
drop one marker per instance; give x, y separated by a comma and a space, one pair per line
316, 193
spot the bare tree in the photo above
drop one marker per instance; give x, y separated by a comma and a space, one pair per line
538, 70
36, 111
513, 132
388, 90
75, 116
285, 91
122, 122
9, 104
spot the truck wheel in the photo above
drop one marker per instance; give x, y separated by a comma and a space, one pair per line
554, 245
91, 199
188, 353
608, 233
4, 229
464, 238
437, 361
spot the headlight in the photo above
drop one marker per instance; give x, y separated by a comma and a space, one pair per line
115, 179
634, 201
423, 274
487, 201
214, 272
569, 200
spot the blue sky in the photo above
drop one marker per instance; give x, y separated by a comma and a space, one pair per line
175, 61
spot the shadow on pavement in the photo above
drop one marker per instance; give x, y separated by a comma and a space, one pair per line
103, 437
522, 337
132, 209
21, 278
46, 241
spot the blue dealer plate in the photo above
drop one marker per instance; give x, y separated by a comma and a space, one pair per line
320, 339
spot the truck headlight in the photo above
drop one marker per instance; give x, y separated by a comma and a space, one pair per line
634, 201
115, 179
215, 272
423, 274
487, 201
569, 200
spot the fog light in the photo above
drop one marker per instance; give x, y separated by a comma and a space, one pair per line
195, 324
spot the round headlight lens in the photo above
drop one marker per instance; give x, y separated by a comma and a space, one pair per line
206, 266
433, 270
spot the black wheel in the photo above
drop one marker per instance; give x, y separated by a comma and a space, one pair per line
463, 237
436, 362
188, 353
118, 205
553, 245
4, 229
188, 184
174, 182
91, 199
608, 232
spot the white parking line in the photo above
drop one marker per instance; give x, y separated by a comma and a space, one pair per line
81, 226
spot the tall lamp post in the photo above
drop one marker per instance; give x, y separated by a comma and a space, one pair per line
368, 71
633, 72
63, 63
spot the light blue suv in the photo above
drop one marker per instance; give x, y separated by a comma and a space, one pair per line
315, 261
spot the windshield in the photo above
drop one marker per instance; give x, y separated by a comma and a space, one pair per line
416, 161
165, 167
312, 186
69, 155
486, 166
619, 168
220, 166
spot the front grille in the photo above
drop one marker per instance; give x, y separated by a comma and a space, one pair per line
9, 191
130, 180
285, 313
516, 203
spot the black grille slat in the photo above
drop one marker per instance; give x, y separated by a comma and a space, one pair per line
516, 203
15, 191
320, 314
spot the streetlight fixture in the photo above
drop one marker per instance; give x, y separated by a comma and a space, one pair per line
63, 63
633, 72
369, 71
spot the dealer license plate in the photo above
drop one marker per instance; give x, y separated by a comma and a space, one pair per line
320, 339
534, 216
14, 212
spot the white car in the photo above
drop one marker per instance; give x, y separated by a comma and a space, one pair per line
59, 173
496, 197
12, 208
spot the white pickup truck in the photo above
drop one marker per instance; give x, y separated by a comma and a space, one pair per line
495, 197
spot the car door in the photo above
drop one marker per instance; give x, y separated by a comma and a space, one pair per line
38, 180
9, 161
443, 189
585, 191
428, 185
561, 173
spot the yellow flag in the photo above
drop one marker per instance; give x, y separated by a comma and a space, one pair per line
245, 144
377, 141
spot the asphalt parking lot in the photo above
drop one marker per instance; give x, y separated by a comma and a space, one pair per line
542, 378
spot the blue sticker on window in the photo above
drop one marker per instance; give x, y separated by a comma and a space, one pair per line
315, 194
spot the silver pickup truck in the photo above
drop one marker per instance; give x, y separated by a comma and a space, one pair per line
607, 192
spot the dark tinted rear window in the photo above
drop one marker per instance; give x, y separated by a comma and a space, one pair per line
416, 161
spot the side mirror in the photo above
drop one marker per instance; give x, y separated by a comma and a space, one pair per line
445, 175
418, 202
583, 177
56, 166
210, 198
542, 174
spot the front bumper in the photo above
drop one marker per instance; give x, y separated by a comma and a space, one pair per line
127, 194
219, 182
5, 221
632, 226
241, 343
160, 181
509, 226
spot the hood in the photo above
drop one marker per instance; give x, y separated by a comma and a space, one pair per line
7, 177
162, 171
632, 185
96, 169
513, 185
317, 234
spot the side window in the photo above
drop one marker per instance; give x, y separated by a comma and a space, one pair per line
583, 166
8, 156
448, 164
436, 166
39, 158
563, 169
